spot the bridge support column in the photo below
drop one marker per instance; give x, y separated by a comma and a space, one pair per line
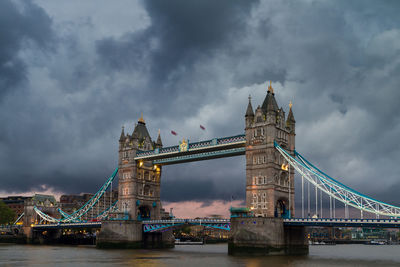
129, 234
120, 234
266, 236
28, 233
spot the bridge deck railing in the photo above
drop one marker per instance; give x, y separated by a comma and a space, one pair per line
195, 145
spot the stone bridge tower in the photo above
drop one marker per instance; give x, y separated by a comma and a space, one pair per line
269, 179
139, 182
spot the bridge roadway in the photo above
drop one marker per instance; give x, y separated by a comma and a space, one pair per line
224, 224
203, 150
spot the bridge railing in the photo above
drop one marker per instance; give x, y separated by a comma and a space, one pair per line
195, 145
187, 221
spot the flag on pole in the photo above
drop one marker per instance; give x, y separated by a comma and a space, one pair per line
174, 133
202, 127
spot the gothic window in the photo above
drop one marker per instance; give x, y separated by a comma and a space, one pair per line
146, 176
125, 191
262, 131
260, 180
146, 190
265, 179
276, 178
125, 206
254, 160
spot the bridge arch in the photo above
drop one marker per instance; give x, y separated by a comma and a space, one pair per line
144, 212
281, 208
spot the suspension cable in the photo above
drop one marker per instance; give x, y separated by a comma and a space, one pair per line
320, 203
330, 204
338, 191
302, 196
316, 201
308, 199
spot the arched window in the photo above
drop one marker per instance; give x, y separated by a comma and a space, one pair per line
146, 190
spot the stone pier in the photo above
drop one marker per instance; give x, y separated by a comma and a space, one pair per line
129, 234
266, 236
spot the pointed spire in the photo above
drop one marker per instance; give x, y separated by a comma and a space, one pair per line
141, 120
122, 137
249, 111
270, 89
290, 119
269, 103
159, 142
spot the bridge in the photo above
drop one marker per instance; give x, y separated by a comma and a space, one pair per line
204, 150
224, 224
271, 163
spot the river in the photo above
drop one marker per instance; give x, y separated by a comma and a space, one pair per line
195, 255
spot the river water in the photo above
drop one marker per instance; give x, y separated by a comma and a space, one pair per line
195, 255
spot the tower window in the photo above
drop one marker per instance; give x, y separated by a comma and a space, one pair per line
126, 175
125, 191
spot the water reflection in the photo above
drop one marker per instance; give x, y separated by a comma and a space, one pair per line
208, 255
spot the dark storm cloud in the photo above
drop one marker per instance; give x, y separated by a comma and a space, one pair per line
188, 63
26, 24
182, 37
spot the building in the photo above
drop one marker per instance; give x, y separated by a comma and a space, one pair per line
16, 203
71, 203
269, 179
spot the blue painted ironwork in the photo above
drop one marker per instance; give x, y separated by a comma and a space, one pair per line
160, 225
341, 222
203, 155
192, 146
75, 216
337, 190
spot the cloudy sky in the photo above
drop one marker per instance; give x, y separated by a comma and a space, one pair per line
73, 72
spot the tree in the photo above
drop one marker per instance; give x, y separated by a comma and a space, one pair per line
7, 215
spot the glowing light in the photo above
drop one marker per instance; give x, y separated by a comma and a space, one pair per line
140, 163
285, 167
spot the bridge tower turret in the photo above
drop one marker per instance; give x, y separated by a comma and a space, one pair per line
139, 182
269, 180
